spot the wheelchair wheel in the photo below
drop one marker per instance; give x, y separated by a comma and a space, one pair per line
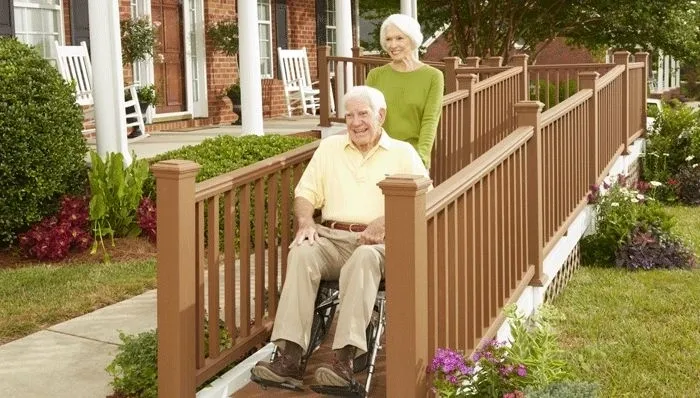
362, 362
324, 312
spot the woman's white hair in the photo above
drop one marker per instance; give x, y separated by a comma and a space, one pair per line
406, 24
373, 97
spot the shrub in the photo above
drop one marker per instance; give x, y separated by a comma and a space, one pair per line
134, 369
616, 214
146, 216
688, 187
499, 370
565, 389
41, 144
649, 247
674, 138
224, 154
54, 237
549, 94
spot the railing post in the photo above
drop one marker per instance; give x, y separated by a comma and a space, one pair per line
406, 243
493, 61
623, 58
358, 76
470, 114
324, 86
451, 65
175, 272
644, 57
528, 114
521, 60
588, 81
472, 62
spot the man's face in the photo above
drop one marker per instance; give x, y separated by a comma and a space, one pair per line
364, 128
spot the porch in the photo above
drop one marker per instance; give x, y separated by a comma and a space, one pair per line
510, 181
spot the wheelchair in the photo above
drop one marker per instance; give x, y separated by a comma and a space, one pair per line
327, 301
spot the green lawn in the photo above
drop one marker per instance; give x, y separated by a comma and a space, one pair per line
637, 333
36, 297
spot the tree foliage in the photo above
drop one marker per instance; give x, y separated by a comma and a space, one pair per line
483, 27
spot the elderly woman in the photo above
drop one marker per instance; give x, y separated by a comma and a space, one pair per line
413, 90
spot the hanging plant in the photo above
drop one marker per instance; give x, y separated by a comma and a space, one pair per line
224, 36
139, 39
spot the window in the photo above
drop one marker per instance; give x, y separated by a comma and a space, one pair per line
39, 23
330, 26
265, 35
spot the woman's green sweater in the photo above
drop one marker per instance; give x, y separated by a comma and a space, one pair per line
414, 104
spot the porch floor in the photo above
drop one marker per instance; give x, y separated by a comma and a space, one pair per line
323, 354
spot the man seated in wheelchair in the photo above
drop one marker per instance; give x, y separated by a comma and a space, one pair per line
348, 246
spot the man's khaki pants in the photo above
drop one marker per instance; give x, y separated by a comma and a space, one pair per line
336, 255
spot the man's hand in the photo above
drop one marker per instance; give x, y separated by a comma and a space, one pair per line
373, 234
306, 230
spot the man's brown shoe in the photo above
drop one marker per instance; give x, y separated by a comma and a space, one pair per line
338, 374
283, 369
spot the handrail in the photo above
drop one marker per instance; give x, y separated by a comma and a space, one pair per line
610, 76
225, 182
555, 112
454, 97
446, 192
502, 76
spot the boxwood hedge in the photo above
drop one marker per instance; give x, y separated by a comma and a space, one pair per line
42, 150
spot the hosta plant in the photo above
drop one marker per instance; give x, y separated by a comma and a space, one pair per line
115, 195
55, 236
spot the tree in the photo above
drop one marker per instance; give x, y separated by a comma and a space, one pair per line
483, 27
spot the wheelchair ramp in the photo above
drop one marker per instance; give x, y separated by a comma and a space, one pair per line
323, 354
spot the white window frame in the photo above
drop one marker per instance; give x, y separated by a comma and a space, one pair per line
49, 37
330, 10
266, 59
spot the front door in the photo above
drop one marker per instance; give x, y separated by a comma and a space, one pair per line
170, 74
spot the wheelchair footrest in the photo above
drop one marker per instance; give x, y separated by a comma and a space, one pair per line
268, 383
353, 390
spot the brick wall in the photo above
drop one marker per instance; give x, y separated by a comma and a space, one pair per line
558, 52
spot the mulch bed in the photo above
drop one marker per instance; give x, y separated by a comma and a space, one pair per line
125, 249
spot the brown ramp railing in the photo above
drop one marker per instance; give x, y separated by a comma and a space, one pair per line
222, 257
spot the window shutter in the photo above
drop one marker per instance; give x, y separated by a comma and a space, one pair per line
321, 8
281, 30
7, 12
79, 22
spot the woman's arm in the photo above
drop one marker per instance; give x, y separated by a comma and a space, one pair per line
431, 116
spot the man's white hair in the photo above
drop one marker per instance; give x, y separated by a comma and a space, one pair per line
406, 24
373, 97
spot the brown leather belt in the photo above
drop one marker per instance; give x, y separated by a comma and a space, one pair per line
344, 226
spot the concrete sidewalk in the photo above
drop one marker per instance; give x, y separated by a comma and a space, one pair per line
67, 360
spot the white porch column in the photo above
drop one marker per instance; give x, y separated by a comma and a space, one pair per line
108, 78
344, 47
667, 72
677, 72
660, 72
410, 8
249, 68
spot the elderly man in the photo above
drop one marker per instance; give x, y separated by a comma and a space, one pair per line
348, 245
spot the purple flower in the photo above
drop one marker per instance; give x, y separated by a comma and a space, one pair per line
521, 370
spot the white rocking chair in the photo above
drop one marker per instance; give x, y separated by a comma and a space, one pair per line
73, 63
298, 87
